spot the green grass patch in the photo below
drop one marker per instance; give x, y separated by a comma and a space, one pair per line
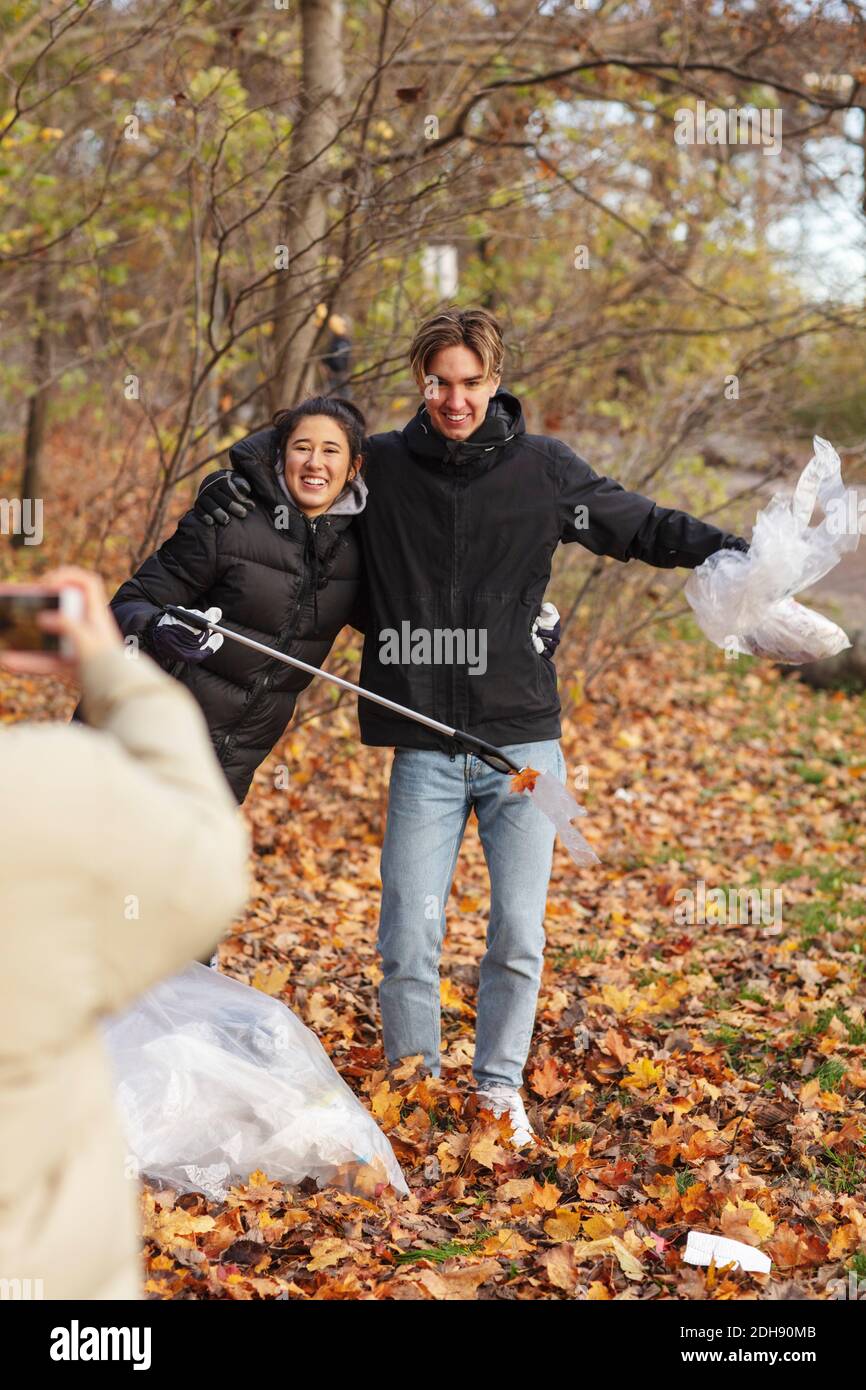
839, 1173
809, 774
748, 992
449, 1251
668, 851
745, 1053
829, 1075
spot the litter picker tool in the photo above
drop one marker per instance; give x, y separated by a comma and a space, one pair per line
548, 794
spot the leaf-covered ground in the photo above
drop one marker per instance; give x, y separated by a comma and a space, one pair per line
683, 1074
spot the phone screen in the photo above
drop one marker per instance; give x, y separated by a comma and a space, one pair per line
19, 631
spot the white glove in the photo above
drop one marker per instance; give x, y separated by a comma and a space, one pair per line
214, 640
547, 619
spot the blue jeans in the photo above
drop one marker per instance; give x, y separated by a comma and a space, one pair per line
430, 801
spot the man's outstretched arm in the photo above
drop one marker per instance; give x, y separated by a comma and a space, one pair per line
607, 519
668, 538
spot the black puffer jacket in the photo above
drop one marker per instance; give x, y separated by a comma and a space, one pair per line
460, 535
282, 578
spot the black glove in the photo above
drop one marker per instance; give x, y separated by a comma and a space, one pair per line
170, 639
225, 492
735, 543
552, 638
546, 630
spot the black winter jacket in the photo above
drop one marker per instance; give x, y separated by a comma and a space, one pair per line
280, 577
460, 535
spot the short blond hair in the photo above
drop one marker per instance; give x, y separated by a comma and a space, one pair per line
453, 327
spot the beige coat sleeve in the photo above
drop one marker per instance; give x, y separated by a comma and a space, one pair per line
168, 844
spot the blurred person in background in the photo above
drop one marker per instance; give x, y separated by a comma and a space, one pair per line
337, 360
122, 856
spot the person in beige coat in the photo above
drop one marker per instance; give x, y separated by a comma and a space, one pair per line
122, 856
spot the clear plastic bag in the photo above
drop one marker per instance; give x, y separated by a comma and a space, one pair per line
553, 799
216, 1080
744, 602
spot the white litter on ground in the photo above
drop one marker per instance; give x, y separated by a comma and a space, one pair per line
702, 1247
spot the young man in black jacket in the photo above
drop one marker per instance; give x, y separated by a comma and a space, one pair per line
464, 512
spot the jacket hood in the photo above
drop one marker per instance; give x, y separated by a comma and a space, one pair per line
256, 458
502, 423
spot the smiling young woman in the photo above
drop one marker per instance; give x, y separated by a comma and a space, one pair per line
291, 578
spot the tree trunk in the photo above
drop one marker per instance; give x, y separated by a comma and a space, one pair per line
304, 208
37, 406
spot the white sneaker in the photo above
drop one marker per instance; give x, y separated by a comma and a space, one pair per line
498, 1097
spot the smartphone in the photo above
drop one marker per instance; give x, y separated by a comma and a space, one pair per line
19, 605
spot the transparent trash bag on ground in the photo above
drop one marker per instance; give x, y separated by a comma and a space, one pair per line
744, 602
215, 1079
